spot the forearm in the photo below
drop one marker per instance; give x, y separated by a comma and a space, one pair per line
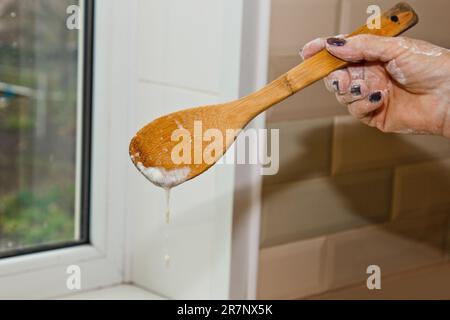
446, 126
446, 98
431, 96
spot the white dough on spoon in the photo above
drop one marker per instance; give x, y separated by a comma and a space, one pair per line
163, 178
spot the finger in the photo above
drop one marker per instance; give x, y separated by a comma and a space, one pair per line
360, 109
327, 80
358, 90
366, 48
338, 81
313, 47
357, 72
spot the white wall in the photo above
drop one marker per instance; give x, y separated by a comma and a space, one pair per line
187, 54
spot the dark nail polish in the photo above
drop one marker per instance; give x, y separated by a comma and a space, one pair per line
337, 42
375, 97
355, 90
335, 85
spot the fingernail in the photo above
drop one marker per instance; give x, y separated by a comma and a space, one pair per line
301, 54
375, 97
337, 42
355, 90
335, 85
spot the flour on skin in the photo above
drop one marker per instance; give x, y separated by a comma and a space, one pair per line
396, 72
421, 48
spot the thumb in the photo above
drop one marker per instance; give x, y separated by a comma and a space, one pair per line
365, 48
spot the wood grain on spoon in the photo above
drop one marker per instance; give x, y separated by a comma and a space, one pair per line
152, 145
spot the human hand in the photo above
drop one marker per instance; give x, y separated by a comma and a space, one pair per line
397, 85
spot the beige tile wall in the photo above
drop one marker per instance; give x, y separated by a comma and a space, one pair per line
347, 196
279, 264
430, 283
306, 149
394, 247
358, 147
308, 267
292, 26
314, 207
421, 188
294, 23
433, 15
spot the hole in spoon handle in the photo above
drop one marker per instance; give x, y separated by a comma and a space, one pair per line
393, 23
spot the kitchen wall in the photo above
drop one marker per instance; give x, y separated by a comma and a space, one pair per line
348, 196
187, 54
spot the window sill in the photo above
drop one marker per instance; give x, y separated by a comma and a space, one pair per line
120, 292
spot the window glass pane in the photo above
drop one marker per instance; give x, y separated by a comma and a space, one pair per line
40, 129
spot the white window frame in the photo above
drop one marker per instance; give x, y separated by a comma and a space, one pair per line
102, 262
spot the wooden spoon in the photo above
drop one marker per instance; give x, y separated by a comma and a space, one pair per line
151, 148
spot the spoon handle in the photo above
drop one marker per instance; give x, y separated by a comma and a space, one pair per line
393, 23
